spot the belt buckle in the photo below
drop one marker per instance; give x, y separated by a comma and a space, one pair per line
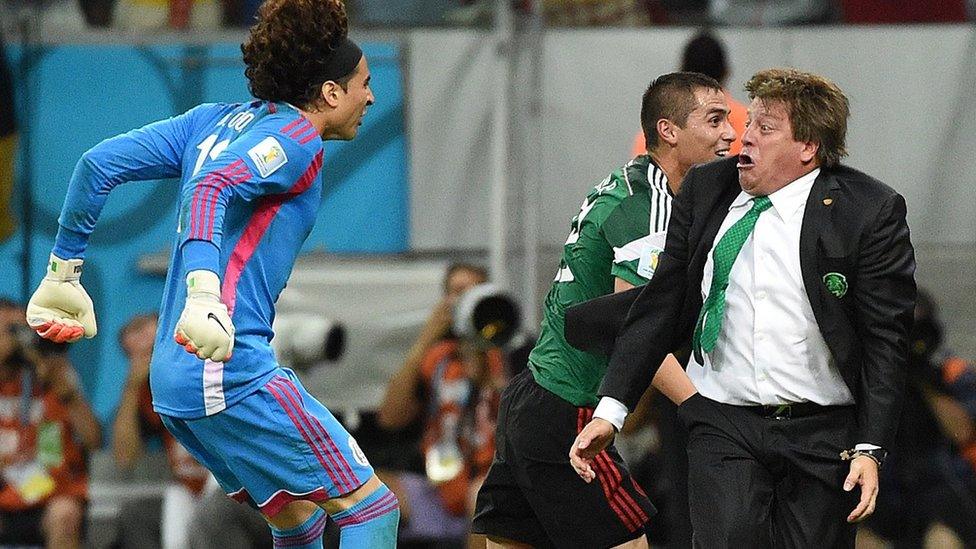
780, 412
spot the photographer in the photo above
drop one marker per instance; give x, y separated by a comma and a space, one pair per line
46, 426
453, 383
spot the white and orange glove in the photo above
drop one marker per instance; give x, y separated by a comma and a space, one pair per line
205, 328
60, 309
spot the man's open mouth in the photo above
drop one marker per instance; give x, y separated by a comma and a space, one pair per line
745, 161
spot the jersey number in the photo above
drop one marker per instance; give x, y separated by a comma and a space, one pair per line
574, 232
565, 274
209, 147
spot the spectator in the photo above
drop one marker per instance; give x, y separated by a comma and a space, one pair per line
135, 422
157, 15
453, 384
705, 54
927, 486
46, 427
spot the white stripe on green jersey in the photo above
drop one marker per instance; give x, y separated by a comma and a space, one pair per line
618, 233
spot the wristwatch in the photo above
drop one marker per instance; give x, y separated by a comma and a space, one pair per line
877, 454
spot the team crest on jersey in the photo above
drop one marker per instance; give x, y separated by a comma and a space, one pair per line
268, 156
648, 261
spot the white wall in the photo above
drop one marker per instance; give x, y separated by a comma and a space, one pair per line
912, 125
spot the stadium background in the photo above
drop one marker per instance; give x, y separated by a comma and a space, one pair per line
473, 150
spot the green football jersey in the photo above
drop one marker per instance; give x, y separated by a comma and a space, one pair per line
618, 233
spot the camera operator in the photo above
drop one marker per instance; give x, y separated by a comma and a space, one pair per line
453, 383
46, 427
926, 486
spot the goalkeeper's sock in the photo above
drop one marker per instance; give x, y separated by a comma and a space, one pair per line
370, 523
307, 535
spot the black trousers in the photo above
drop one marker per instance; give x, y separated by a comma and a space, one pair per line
758, 481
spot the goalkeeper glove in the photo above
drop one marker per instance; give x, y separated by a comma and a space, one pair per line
205, 328
60, 309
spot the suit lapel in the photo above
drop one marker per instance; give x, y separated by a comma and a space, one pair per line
714, 215
816, 216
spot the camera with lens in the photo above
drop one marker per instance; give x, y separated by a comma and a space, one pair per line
486, 316
303, 340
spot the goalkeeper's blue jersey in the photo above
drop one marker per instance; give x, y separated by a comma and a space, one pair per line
249, 178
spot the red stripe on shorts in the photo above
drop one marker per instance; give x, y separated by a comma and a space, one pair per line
323, 434
582, 418
284, 401
625, 496
613, 479
338, 461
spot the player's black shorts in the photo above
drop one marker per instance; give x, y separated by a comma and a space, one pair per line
533, 495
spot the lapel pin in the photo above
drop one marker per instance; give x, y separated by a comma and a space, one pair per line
828, 201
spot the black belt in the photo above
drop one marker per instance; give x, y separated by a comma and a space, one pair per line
787, 411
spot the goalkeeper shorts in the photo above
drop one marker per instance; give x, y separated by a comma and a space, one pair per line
277, 445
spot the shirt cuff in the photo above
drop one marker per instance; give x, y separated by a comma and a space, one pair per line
69, 244
201, 255
866, 446
612, 410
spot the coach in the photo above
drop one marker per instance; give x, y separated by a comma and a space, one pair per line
791, 278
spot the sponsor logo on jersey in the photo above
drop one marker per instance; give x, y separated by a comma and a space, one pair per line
268, 156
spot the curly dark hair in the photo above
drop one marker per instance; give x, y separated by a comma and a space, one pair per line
287, 49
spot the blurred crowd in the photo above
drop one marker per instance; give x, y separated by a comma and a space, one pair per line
432, 436
176, 15
436, 422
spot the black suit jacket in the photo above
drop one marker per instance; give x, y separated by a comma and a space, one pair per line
852, 224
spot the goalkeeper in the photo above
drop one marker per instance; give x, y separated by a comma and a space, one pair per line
250, 191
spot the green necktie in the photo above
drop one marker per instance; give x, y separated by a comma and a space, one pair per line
723, 256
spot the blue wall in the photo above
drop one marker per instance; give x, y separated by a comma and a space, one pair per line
70, 97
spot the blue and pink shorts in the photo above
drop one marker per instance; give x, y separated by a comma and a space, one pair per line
277, 445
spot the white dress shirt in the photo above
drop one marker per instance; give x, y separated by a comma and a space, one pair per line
770, 349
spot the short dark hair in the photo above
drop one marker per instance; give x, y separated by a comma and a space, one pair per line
705, 54
289, 47
817, 107
671, 96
